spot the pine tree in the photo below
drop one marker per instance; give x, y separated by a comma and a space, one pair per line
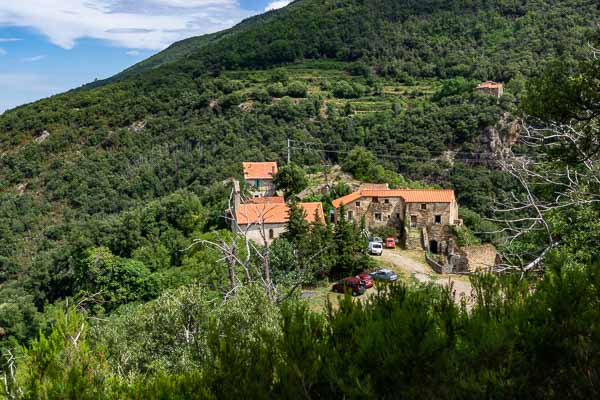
345, 244
297, 227
320, 247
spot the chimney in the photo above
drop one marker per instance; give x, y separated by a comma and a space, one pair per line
236, 196
273, 170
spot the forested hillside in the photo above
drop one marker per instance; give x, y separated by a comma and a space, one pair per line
123, 175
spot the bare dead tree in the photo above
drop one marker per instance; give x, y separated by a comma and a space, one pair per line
573, 182
11, 388
241, 252
254, 260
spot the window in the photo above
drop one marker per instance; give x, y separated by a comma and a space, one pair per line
377, 216
386, 201
375, 199
357, 204
271, 234
423, 206
438, 219
413, 221
257, 183
350, 215
397, 215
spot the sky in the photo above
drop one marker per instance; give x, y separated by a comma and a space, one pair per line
50, 46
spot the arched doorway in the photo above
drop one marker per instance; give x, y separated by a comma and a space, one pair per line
433, 246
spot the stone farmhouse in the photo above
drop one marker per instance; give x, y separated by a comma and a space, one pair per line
421, 216
264, 219
490, 87
259, 176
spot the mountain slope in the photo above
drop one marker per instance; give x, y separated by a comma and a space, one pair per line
120, 164
424, 38
185, 48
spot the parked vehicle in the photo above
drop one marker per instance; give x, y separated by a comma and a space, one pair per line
375, 248
384, 275
353, 284
390, 243
367, 279
375, 239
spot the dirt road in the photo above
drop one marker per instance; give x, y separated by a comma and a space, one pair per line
412, 265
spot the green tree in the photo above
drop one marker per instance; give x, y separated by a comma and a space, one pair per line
114, 280
362, 164
297, 227
276, 89
291, 179
345, 237
296, 89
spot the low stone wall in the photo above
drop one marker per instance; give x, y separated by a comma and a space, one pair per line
437, 267
480, 258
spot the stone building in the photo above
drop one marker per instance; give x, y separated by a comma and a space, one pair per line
259, 176
422, 217
490, 87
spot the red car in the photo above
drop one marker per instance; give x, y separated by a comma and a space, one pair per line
367, 279
353, 284
390, 243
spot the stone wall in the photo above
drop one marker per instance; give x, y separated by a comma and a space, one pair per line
480, 258
395, 213
254, 232
385, 211
436, 232
426, 217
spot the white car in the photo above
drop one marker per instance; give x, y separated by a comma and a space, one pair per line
375, 248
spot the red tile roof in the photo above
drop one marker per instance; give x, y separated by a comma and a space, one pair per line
409, 195
259, 170
267, 200
489, 85
275, 213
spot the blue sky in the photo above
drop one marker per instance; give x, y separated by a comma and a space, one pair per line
48, 47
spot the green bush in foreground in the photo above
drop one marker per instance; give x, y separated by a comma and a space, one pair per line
511, 341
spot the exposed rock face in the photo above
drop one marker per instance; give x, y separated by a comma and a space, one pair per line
138, 126
495, 142
21, 188
246, 106
43, 136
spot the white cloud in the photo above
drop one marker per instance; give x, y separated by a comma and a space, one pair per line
133, 53
274, 5
2, 52
136, 24
8, 40
33, 58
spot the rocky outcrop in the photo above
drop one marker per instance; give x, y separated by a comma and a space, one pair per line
495, 142
42, 137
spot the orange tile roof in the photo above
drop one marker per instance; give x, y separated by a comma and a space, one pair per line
489, 85
409, 195
275, 213
259, 170
267, 200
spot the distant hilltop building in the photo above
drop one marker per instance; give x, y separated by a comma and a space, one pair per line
259, 176
421, 216
490, 87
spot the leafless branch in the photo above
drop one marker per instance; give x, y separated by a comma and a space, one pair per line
569, 183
